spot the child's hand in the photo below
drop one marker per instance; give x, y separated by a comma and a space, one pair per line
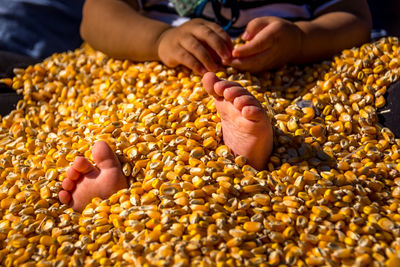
198, 44
272, 42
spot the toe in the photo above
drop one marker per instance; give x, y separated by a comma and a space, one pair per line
73, 174
64, 196
82, 165
222, 86
245, 100
104, 157
209, 80
254, 113
68, 184
233, 92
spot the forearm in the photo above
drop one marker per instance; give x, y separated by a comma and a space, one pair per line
331, 33
115, 28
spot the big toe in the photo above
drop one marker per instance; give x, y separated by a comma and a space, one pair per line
209, 79
104, 157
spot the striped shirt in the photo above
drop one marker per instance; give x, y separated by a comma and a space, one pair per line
235, 21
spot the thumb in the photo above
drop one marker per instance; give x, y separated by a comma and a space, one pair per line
255, 26
263, 40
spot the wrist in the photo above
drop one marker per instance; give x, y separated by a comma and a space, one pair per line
300, 41
159, 38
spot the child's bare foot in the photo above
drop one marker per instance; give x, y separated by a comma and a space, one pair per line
84, 181
246, 128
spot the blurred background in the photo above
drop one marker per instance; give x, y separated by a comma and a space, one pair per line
386, 15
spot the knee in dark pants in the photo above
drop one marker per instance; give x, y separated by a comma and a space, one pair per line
389, 115
8, 99
8, 61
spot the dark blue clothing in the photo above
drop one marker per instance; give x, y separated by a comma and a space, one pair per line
39, 28
234, 15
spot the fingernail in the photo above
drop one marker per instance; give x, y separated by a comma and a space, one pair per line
226, 60
245, 36
235, 53
201, 71
228, 53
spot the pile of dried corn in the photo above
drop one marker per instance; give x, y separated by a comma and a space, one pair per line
330, 194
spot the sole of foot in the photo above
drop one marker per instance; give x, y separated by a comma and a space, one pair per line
246, 128
84, 181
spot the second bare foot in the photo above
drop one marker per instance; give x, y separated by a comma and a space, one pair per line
246, 128
84, 181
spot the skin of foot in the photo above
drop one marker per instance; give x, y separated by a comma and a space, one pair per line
246, 131
84, 181
246, 128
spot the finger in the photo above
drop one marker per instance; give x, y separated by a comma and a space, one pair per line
253, 63
183, 57
188, 60
261, 42
221, 32
220, 45
214, 55
254, 27
193, 46
223, 35
242, 64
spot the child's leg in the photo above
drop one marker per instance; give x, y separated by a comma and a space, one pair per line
246, 128
389, 115
84, 181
